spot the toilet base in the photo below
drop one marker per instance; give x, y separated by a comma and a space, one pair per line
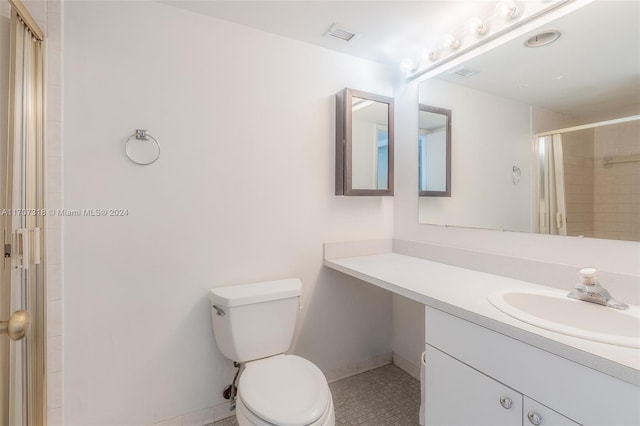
246, 418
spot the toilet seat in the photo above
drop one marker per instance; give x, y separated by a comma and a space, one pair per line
286, 390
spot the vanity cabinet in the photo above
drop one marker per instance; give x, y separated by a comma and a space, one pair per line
535, 413
457, 394
472, 373
477, 354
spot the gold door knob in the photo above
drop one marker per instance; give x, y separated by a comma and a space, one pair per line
17, 326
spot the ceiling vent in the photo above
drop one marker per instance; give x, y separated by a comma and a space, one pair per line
340, 32
463, 72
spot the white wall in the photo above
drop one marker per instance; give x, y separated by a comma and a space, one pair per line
243, 191
408, 334
544, 120
489, 136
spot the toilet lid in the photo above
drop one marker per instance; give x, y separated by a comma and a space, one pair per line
285, 390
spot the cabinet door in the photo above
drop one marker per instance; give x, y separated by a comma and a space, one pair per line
537, 414
458, 395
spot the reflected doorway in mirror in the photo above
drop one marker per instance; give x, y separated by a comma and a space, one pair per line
434, 151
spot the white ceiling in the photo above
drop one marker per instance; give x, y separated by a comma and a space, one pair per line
591, 72
598, 55
389, 31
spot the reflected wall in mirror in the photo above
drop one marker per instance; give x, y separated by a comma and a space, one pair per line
434, 151
514, 94
364, 143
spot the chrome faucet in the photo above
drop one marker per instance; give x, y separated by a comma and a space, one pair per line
589, 290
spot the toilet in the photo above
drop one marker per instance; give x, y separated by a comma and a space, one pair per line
253, 325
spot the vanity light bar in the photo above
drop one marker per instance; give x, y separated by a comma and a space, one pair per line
487, 35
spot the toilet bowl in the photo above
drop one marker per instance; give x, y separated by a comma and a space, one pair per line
284, 390
253, 325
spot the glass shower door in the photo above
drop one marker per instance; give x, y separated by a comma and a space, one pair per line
22, 293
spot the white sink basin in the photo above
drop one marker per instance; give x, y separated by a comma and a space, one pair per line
553, 310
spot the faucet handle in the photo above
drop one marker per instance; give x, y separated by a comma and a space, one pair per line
588, 276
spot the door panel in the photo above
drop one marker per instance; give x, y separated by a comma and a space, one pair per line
537, 414
22, 362
458, 395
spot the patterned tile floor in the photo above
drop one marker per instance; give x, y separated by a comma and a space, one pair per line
386, 396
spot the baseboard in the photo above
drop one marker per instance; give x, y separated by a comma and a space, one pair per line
407, 366
358, 367
202, 417
222, 411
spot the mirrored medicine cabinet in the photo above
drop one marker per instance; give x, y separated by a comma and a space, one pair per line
364, 143
434, 151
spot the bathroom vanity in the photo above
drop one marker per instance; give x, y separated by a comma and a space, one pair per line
484, 367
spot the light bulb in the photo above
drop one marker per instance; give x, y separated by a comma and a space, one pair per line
431, 54
508, 9
450, 42
476, 27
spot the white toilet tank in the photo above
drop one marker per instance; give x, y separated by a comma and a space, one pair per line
254, 321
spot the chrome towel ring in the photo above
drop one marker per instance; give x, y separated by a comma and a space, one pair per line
142, 135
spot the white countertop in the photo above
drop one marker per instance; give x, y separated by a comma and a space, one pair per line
463, 293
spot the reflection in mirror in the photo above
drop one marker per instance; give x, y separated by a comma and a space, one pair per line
587, 181
364, 143
369, 144
508, 97
434, 151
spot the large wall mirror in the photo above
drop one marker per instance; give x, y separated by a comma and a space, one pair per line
364, 143
434, 151
547, 137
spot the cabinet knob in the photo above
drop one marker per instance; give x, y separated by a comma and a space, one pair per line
506, 402
534, 418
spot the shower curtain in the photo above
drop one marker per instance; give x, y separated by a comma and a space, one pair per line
552, 213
